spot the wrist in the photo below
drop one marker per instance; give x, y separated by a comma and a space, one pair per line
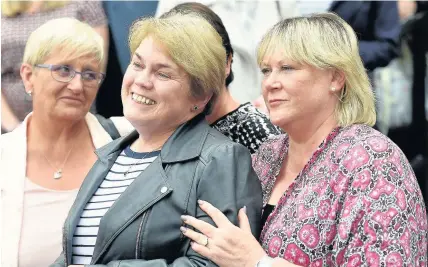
265, 261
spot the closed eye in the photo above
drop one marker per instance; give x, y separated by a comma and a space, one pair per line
164, 75
286, 68
137, 65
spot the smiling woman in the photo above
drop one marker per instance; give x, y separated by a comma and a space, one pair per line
128, 210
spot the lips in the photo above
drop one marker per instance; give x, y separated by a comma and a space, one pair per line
72, 98
140, 99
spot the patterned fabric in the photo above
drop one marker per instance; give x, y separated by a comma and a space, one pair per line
356, 203
14, 34
246, 126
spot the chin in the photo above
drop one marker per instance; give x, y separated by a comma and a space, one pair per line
72, 115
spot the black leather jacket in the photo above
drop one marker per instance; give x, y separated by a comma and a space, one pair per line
142, 227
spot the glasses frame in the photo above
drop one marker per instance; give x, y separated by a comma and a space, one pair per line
73, 71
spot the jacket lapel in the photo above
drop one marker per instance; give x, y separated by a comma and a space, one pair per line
153, 182
184, 144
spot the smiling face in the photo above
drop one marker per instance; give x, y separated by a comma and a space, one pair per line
64, 101
297, 94
156, 91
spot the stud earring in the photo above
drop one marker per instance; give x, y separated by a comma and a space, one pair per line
333, 89
195, 108
29, 92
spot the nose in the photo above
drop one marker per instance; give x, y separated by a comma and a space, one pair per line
143, 80
76, 84
271, 82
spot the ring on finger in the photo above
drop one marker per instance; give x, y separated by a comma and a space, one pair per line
205, 242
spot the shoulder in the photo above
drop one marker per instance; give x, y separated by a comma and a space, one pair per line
366, 140
122, 125
12, 139
217, 145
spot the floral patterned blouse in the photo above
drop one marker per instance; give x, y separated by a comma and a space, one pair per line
356, 203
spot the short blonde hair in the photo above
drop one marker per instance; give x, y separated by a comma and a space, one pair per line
326, 41
67, 36
193, 44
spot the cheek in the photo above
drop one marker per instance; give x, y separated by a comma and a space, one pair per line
128, 79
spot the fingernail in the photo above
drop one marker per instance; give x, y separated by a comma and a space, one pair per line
184, 218
201, 202
245, 209
192, 243
183, 229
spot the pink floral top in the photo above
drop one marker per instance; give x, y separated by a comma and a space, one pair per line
356, 203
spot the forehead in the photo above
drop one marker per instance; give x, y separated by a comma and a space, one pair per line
152, 51
73, 58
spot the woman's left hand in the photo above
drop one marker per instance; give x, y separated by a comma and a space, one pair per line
227, 245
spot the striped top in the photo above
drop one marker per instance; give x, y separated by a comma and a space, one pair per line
127, 167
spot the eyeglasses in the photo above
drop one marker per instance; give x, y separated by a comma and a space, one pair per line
64, 73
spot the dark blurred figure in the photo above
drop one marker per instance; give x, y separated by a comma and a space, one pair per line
378, 27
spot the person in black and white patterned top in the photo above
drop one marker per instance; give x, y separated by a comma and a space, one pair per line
246, 125
243, 124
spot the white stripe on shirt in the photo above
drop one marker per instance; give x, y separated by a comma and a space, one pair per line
114, 184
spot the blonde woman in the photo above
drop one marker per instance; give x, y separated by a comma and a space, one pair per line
44, 160
336, 192
19, 19
127, 212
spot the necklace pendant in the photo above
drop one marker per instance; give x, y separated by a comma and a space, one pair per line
58, 174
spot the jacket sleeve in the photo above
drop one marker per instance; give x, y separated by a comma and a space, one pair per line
59, 262
384, 46
228, 182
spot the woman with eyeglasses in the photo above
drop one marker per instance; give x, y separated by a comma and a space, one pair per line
44, 160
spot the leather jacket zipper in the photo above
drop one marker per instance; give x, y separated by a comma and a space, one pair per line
140, 234
94, 260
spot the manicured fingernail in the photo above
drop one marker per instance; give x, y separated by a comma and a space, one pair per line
245, 209
201, 202
183, 229
184, 218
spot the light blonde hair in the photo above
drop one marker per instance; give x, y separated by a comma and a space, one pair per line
11, 8
193, 44
326, 41
67, 36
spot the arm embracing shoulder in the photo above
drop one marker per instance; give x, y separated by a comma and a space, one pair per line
230, 183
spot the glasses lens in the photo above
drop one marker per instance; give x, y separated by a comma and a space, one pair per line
62, 73
91, 78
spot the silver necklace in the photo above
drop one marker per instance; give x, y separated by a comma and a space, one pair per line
138, 162
58, 173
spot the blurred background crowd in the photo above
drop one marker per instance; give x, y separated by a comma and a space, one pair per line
393, 39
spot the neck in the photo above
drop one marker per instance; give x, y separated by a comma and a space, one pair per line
305, 141
148, 142
56, 134
224, 105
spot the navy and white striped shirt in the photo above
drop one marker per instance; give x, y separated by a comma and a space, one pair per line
114, 184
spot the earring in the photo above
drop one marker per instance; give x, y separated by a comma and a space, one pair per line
333, 89
195, 108
29, 92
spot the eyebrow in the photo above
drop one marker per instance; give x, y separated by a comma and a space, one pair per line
157, 65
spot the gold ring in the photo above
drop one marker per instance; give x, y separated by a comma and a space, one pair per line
206, 241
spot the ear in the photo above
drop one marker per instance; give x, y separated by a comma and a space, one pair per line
228, 65
27, 74
338, 79
202, 102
